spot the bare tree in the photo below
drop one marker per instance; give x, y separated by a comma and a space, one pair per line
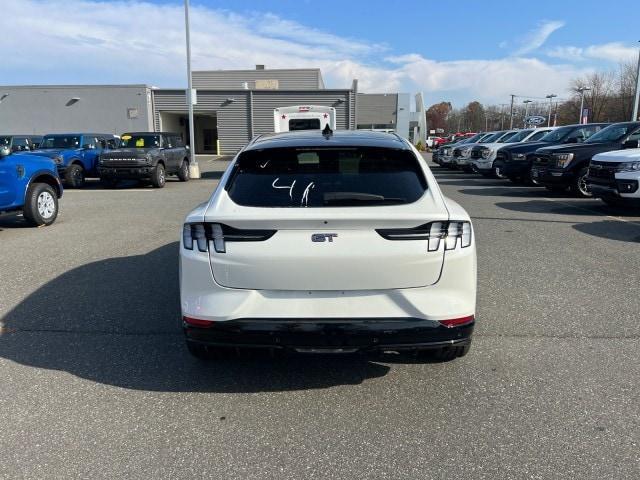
597, 98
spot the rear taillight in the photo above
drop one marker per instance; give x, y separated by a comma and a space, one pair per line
453, 233
201, 234
196, 322
457, 322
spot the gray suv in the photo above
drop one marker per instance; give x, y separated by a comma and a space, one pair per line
145, 156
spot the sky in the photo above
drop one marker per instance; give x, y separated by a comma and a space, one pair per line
451, 51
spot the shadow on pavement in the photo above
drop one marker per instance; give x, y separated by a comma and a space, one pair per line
116, 321
212, 175
612, 230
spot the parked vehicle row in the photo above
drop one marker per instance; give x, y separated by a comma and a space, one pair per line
596, 159
33, 169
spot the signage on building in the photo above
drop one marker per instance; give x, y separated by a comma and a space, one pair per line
132, 113
267, 84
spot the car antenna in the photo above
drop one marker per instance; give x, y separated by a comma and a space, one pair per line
327, 132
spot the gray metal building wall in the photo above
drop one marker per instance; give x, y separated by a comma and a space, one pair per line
251, 112
377, 108
99, 108
288, 79
233, 117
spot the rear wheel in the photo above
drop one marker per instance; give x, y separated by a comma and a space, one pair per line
41, 205
579, 186
158, 177
74, 176
183, 173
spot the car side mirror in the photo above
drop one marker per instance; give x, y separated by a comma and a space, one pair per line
631, 144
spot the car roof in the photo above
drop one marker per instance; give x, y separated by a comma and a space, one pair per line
77, 134
341, 138
150, 133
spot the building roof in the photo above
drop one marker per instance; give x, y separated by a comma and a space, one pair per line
339, 138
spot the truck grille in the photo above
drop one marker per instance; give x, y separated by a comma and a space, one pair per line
476, 154
542, 160
501, 156
602, 170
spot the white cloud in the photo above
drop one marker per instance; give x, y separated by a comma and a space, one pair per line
130, 41
536, 38
610, 52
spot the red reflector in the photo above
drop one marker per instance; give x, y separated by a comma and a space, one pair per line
196, 322
457, 322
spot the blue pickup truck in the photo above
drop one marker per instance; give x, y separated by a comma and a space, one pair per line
29, 183
76, 154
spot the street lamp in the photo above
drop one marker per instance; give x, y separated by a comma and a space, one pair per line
637, 99
582, 90
194, 169
551, 96
526, 111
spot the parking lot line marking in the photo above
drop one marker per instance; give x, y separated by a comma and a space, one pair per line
110, 191
595, 212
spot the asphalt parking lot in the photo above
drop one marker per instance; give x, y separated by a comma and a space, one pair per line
95, 380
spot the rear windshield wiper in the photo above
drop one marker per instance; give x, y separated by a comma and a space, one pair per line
355, 198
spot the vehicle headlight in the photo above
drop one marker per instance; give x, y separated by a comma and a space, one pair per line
57, 159
445, 151
147, 158
519, 156
486, 152
465, 152
563, 159
629, 167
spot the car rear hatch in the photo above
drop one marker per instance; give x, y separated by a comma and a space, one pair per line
326, 219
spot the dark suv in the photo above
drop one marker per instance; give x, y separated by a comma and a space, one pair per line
147, 156
515, 161
566, 166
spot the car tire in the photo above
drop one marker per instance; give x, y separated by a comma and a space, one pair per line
159, 176
41, 205
183, 173
74, 176
579, 186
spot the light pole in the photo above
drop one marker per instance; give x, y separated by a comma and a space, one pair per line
582, 90
526, 111
511, 114
637, 99
194, 169
551, 96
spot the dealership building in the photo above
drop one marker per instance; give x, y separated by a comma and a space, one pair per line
232, 106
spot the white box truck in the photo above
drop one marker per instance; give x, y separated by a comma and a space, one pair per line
304, 117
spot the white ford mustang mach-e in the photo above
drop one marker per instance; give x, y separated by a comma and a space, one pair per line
328, 242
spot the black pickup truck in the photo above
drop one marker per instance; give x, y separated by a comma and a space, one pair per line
515, 161
566, 166
146, 156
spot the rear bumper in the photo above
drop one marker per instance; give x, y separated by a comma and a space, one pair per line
336, 335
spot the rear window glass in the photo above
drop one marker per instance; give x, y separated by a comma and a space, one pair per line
304, 124
326, 177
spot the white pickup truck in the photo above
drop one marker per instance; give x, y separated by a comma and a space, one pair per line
614, 177
304, 117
